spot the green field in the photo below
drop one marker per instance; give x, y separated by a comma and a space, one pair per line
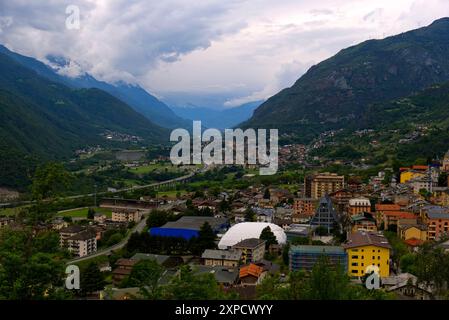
82, 213
151, 167
11, 211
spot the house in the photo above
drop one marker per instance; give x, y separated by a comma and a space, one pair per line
252, 249
382, 208
406, 287
359, 205
305, 257
412, 173
363, 222
163, 260
392, 217
227, 258
412, 230
365, 249
83, 243
100, 217
251, 274
57, 223
225, 276
123, 269
5, 221
264, 214
126, 215
340, 199
304, 206
437, 220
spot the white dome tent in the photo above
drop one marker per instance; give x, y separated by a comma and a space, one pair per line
249, 230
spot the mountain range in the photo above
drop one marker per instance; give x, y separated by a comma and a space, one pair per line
337, 92
219, 119
133, 95
44, 119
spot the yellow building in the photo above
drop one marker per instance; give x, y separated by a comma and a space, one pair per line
365, 249
409, 175
407, 231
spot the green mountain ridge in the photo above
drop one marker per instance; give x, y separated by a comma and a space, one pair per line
45, 120
335, 93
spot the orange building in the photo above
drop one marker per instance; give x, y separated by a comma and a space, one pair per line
251, 274
304, 207
358, 206
381, 208
392, 217
437, 221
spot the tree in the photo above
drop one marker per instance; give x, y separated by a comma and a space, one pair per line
31, 265
190, 286
250, 216
91, 213
267, 194
49, 180
145, 275
157, 218
91, 279
224, 206
205, 240
268, 236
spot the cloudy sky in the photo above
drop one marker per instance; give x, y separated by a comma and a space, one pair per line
230, 51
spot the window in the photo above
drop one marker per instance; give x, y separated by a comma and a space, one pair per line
354, 271
354, 257
355, 264
374, 257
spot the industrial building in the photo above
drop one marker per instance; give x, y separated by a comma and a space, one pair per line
188, 227
305, 257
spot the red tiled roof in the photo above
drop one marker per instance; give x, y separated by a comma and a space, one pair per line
252, 270
420, 167
387, 207
413, 242
399, 214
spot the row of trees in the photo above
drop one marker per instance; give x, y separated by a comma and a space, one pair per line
325, 282
186, 285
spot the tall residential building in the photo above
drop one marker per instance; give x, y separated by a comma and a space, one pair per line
252, 250
367, 250
319, 185
359, 205
304, 206
325, 214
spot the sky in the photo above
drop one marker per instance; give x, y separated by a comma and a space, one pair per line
213, 53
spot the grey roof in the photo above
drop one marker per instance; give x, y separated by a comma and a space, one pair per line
233, 255
221, 274
74, 228
249, 243
317, 249
160, 259
84, 235
195, 223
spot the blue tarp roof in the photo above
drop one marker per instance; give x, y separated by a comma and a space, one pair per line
174, 232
